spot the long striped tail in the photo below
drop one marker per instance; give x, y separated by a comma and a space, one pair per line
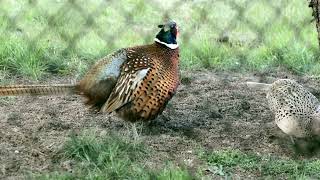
23, 90
258, 86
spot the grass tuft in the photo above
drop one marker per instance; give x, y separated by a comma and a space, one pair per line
228, 161
110, 157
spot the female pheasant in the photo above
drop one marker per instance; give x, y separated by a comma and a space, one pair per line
135, 82
297, 111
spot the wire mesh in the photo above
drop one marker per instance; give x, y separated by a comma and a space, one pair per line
93, 28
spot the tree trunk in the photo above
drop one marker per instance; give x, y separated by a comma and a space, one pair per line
315, 5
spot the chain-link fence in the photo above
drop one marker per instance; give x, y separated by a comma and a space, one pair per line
60, 35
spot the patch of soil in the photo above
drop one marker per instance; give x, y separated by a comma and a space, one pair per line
211, 110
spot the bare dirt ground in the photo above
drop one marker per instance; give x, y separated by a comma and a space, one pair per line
211, 110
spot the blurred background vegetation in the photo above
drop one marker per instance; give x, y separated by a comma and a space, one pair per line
45, 38
39, 38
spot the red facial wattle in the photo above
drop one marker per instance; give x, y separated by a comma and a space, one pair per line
177, 31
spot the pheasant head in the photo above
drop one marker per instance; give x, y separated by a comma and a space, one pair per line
168, 34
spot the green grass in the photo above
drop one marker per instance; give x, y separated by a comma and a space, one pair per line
110, 157
40, 38
226, 162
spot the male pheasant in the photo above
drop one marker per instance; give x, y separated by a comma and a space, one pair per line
135, 82
297, 111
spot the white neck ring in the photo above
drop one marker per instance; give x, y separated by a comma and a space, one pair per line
171, 46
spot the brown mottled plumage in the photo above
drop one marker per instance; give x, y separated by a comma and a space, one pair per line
297, 113
146, 83
296, 109
136, 82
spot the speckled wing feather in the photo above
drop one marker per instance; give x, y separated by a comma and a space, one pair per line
133, 72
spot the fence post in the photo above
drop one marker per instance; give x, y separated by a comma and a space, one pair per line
315, 5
